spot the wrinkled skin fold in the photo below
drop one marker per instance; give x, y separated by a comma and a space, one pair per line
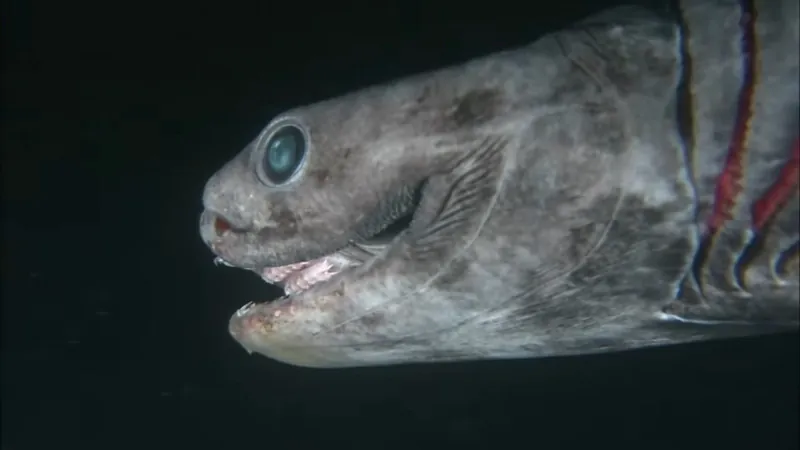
593, 191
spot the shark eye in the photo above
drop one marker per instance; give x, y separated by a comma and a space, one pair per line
285, 151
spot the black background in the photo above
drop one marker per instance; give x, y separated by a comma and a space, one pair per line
115, 319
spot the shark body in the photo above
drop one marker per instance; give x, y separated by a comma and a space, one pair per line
628, 182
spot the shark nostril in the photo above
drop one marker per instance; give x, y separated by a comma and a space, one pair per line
221, 225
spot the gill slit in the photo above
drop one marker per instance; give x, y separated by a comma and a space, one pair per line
510, 156
729, 181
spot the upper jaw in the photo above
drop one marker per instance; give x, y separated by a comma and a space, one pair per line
251, 249
298, 277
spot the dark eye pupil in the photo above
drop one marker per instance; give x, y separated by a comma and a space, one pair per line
284, 153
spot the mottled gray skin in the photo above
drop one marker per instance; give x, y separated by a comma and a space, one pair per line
562, 205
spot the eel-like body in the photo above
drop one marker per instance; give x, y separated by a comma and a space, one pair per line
628, 182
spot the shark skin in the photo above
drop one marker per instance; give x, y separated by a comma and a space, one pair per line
628, 182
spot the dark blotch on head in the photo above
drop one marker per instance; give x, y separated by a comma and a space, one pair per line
475, 107
286, 224
285, 219
424, 96
321, 176
333, 171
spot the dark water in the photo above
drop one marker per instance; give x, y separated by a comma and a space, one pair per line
114, 317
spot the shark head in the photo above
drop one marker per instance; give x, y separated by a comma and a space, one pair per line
353, 206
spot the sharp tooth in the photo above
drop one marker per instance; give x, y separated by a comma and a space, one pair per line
290, 289
219, 261
243, 310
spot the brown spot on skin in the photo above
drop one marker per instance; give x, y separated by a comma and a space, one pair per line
372, 319
286, 223
285, 219
652, 215
475, 108
444, 112
326, 175
321, 176
423, 97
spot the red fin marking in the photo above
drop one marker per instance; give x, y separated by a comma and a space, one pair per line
779, 192
729, 183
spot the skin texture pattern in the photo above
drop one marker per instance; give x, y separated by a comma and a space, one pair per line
628, 182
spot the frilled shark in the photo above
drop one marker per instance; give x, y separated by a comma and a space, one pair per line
628, 182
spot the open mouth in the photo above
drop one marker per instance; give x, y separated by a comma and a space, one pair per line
298, 277
301, 276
